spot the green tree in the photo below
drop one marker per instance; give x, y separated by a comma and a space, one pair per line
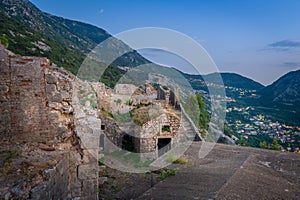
195, 108
4, 41
263, 145
204, 116
275, 145
200, 101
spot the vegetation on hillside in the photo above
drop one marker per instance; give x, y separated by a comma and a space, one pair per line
31, 32
25, 41
273, 146
195, 108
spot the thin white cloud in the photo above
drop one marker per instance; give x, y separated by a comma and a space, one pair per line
285, 44
291, 64
101, 11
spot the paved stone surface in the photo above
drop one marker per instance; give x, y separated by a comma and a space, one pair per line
232, 172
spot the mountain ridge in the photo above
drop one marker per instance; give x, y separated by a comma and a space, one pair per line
74, 40
53, 26
69, 38
283, 88
229, 79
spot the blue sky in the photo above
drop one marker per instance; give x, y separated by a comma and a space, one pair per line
259, 39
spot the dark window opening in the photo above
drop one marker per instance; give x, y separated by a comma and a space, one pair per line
163, 145
102, 127
166, 129
128, 143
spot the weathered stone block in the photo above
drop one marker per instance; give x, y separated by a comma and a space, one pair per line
3, 89
50, 88
51, 79
90, 189
67, 109
62, 129
65, 95
90, 156
53, 115
87, 172
89, 141
55, 105
56, 98
76, 188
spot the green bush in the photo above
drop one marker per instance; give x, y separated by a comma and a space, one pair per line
122, 117
182, 161
129, 102
166, 129
171, 158
175, 160
4, 41
101, 162
195, 108
275, 145
263, 145
166, 173
106, 113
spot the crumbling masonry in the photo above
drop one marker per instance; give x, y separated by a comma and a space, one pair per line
49, 141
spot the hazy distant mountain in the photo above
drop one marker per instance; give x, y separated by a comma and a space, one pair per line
66, 42
229, 79
236, 80
286, 90
281, 99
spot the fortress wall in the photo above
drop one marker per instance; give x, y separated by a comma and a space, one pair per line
37, 118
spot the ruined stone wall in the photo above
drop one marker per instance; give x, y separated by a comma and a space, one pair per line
35, 100
24, 97
174, 95
125, 89
112, 131
57, 186
163, 94
170, 96
5, 82
103, 97
150, 130
174, 124
38, 117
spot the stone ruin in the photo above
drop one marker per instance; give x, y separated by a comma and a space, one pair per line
52, 134
49, 140
155, 137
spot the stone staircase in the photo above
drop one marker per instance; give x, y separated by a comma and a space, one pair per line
191, 131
